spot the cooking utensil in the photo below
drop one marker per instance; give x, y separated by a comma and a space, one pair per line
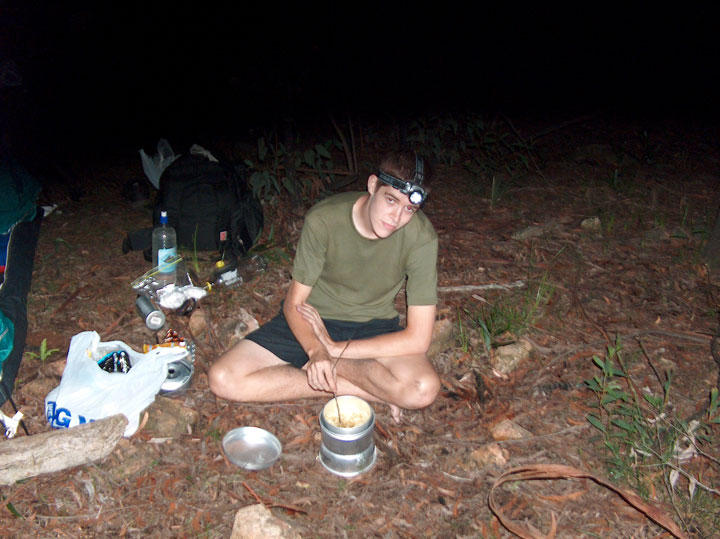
335, 372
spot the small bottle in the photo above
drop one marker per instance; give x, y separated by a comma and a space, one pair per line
164, 246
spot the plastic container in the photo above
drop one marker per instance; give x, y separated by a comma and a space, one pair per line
164, 246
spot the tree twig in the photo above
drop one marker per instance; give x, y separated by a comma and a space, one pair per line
68, 300
348, 155
352, 145
472, 287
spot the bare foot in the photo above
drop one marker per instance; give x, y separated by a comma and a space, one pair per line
396, 413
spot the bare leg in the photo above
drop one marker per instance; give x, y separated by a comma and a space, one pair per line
250, 373
408, 382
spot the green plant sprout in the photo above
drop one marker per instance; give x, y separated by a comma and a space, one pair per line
196, 265
44, 352
648, 446
463, 337
499, 322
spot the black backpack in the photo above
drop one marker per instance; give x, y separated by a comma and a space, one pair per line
210, 206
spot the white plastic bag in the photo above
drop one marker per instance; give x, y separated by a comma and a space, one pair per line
155, 166
87, 393
199, 151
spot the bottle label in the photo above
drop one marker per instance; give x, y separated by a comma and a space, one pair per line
164, 254
230, 278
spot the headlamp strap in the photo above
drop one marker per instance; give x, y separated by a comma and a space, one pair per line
419, 170
413, 189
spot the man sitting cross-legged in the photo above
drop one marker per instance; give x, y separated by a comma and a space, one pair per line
338, 331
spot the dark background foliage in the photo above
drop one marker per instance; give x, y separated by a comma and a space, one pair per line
107, 75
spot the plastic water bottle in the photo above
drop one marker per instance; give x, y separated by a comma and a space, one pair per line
226, 274
164, 246
237, 272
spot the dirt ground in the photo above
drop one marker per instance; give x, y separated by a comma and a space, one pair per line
638, 276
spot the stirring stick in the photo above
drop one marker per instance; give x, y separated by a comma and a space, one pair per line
337, 404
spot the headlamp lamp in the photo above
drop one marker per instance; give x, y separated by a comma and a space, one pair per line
414, 190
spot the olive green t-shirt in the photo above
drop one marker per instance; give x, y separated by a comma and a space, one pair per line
355, 278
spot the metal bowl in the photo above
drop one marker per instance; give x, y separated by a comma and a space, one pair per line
251, 448
179, 375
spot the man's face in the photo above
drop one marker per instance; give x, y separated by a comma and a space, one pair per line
390, 210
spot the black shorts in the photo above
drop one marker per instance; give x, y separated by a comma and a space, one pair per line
277, 337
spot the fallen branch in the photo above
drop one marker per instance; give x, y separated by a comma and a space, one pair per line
57, 450
473, 287
558, 471
112, 327
71, 297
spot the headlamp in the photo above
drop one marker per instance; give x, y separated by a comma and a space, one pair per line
416, 194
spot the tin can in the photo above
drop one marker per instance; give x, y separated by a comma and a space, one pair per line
154, 318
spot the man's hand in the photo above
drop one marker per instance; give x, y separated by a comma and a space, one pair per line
321, 372
312, 316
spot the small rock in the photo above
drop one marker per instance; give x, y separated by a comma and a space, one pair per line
443, 337
507, 430
491, 454
236, 329
529, 232
198, 322
257, 522
507, 358
169, 418
592, 224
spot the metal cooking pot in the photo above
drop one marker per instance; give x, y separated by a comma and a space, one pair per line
347, 451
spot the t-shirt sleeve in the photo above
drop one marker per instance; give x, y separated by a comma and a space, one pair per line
311, 251
421, 285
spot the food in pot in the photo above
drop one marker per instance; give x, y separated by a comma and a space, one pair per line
353, 412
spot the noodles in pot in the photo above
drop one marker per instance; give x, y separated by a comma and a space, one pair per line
353, 413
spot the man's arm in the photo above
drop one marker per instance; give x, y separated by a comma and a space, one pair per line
321, 375
296, 295
414, 339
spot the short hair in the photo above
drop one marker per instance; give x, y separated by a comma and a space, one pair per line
401, 164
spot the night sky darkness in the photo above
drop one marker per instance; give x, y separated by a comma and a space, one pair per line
98, 77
